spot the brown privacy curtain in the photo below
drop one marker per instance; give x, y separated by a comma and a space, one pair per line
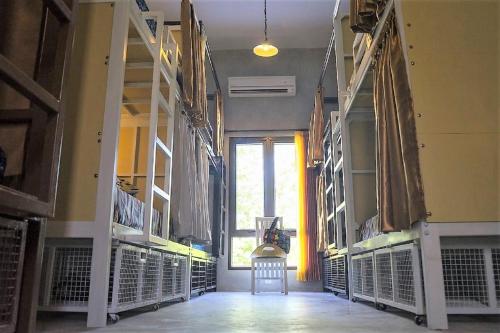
321, 214
194, 92
187, 52
189, 210
313, 270
202, 223
219, 113
399, 186
315, 142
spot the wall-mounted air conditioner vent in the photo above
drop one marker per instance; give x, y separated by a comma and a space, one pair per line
261, 86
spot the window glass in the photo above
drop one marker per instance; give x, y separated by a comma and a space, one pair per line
241, 249
249, 184
292, 257
286, 184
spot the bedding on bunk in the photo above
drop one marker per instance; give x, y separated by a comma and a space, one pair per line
400, 194
194, 92
129, 211
150, 22
315, 152
363, 15
189, 203
369, 228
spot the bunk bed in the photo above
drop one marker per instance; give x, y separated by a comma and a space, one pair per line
391, 268
114, 213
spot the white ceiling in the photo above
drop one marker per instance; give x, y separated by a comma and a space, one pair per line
239, 24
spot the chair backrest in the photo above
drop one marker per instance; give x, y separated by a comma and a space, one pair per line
263, 223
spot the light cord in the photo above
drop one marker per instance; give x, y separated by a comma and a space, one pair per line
265, 20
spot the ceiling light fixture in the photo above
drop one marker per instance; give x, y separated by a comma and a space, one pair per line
265, 49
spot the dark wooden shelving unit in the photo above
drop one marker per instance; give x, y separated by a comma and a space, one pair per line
35, 49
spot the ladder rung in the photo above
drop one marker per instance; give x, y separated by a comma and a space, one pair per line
163, 147
164, 195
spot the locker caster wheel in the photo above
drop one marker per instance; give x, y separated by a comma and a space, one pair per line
354, 299
156, 307
114, 318
336, 293
419, 320
381, 307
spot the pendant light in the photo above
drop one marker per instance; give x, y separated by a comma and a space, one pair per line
265, 49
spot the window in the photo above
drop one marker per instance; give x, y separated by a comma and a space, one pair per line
263, 182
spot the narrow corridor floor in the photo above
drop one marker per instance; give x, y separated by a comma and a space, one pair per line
266, 312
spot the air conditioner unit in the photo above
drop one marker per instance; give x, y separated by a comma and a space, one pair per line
261, 86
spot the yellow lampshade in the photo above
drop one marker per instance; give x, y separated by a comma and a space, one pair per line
265, 50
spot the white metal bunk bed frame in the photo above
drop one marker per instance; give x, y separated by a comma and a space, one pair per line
165, 55
428, 235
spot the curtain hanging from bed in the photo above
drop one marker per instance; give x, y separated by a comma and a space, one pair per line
315, 143
189, 199
313, 271
202, 224
400, 193
321, 214
219, 113
194, 90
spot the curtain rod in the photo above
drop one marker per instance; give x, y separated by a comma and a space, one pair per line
208, 51
327, 59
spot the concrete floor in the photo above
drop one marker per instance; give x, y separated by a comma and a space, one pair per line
266, 312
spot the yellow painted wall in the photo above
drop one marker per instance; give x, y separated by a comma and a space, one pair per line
362, 135
76, 197
125, 159
455, 86
363, 143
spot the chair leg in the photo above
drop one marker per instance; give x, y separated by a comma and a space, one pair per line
282, 278
253, 276
286, 278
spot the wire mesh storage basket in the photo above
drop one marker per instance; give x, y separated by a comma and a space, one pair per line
327, 273
181, 275
335, 276
211, 275
12, 247
471, 273
65, 278
138, 277
198, 275
168, 267
363, 277
398, 278
174, 277
495, 259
